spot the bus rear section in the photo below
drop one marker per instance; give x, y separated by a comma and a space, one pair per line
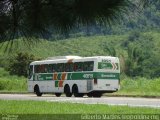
106, 76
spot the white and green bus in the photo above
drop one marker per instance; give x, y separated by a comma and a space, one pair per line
75, 75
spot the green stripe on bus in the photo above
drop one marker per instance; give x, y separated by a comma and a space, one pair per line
59, 76
108, 75
79, 76
56, 83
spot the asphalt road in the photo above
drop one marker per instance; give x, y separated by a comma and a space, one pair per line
141, 102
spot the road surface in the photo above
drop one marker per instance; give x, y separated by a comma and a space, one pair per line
141, 102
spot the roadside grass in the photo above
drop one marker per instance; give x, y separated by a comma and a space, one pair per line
140, 87
43, 107
12, 83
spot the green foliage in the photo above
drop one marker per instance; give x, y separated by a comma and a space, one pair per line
108, 48
19, 64
133, 36
140, 87
133, 61
12, 83
3, 73
142, 58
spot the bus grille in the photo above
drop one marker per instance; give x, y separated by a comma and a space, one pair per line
89, 85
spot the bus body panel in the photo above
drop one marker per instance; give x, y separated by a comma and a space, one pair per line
106, 85
49, 86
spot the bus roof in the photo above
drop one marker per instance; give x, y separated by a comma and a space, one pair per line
63, 57
60, 59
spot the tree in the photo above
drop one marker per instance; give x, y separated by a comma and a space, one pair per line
19, 65
109, 48
134, 60
142, 59
37, 18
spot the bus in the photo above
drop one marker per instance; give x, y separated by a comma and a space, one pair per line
74, 75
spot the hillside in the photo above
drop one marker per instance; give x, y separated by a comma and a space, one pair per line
82, 46
139, 52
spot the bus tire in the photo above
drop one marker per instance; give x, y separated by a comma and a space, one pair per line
58, 94
67, 91
37, 91
89, 94
75, 91
97, 94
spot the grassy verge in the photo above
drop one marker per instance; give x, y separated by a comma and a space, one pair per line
42, 107
12, 83
140, 87
41, 110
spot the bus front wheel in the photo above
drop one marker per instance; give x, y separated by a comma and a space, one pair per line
58, 94
37, 91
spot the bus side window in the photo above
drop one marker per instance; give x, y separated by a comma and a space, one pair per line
54, 68
69, 67
78, 66
60, 67
45, 68
41, 68
66, 67
88, 66
36, 68
49, 68
85, 66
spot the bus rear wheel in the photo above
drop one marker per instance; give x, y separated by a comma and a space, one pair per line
97, 94
37, 91
76, 92
67, 91
89, 94
58, 94
94, 94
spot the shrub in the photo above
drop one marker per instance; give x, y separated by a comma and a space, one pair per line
19, 64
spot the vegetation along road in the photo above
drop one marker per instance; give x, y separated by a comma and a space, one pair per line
141, 102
